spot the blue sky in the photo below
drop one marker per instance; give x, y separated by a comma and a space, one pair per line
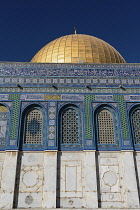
27, 25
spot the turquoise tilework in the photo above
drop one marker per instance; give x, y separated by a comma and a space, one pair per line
124, 124
15, 115
88, 99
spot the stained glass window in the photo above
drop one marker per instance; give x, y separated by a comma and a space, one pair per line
33, 127
105, 127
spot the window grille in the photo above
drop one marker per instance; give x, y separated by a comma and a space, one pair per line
33, 127
70, 126
4, 118
105, 127
136, 125
3, 108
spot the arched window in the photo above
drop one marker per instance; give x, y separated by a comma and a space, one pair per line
33, 127
33, 132
106, 126
4, 119
70, 126
135, 121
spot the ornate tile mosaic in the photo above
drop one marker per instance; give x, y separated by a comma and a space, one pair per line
4, 97
120, 70
72, 97
69, 81
32, 97
88, 99
124, 123
52, 124
104, 97
95, 104
15, 115
72, 82
63, 103
132, 97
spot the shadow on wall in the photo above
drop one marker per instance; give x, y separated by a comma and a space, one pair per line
17, 181
59, 154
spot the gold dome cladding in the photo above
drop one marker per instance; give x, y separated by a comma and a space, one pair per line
78, 48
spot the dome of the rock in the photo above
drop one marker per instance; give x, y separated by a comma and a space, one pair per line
78, 48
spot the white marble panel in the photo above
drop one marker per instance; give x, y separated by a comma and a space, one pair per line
114, 154
90, 179
68, 167
71, 173
1, 169
30, 200
75, 194
71, 202
79, 177
32, 158
8, 180
104, 154
50, 177
110, 189
108, 161
111, 205
31, 180
66, 156
112, 197
2, 157
71, 178
130, 183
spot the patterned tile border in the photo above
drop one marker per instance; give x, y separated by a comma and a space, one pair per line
15, 115
51, 124
123, 114
45, 81
88, 117
27, 69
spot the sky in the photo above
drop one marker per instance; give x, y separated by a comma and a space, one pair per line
27, 25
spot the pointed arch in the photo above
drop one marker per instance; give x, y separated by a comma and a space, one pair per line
32, 127
105, 127
106, 122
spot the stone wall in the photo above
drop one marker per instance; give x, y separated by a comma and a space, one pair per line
84, 179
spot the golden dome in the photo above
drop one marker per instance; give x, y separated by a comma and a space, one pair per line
78, 48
